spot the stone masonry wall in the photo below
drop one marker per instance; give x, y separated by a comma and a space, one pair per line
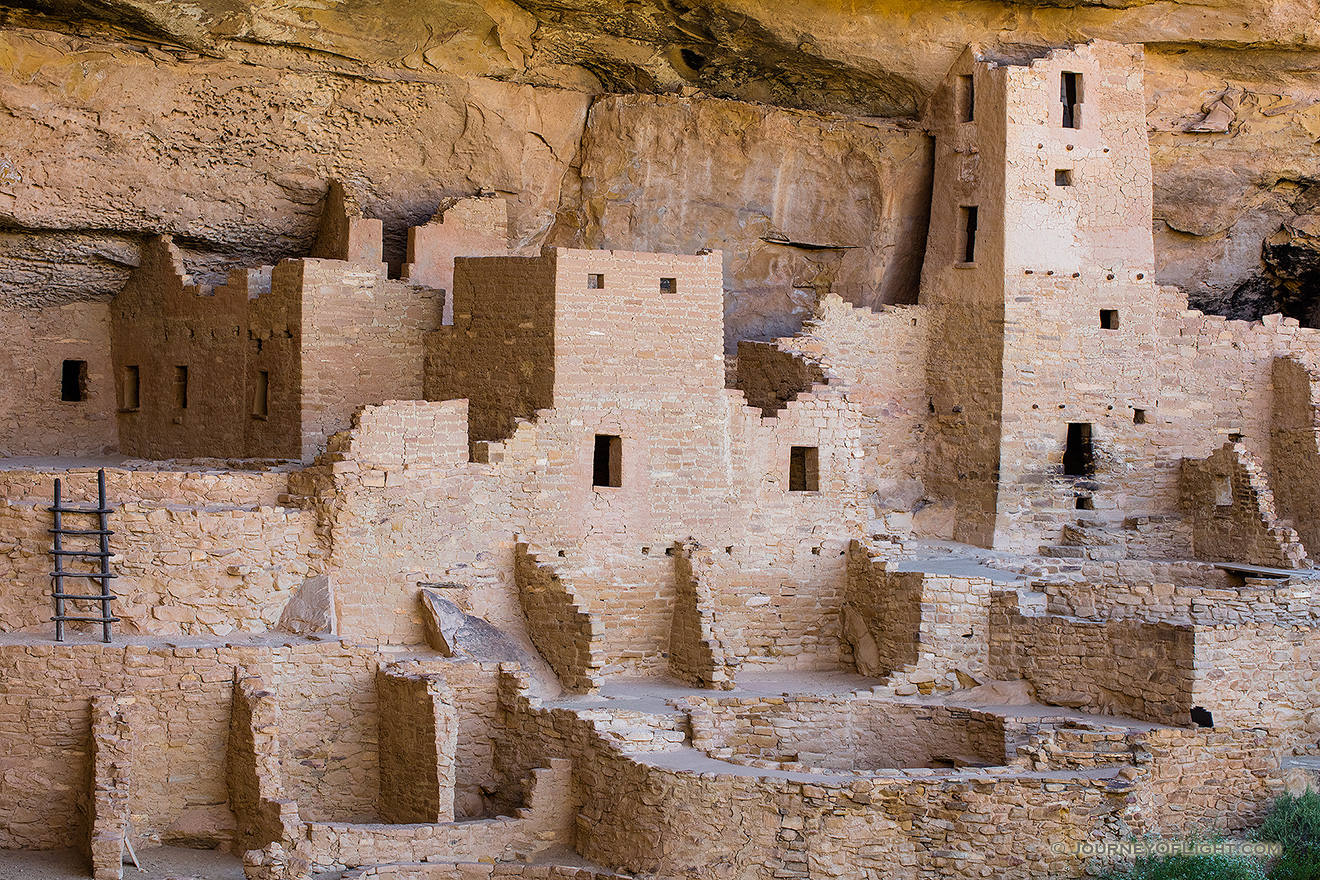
844, 733
476, 227
1260, 675
362, 342
1124, 666
113, 740
198, 554
34, 343
184, 697
189, 345
562, 631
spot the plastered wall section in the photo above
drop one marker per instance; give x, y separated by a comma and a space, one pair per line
964, 374
1295, 449
34, 343
499, 354
1234, 518
187, 343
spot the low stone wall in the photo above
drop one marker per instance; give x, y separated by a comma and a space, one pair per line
856, 733
545, 821
648, 814
927, 626
1261, 675
184, 695
696, 653
479, 871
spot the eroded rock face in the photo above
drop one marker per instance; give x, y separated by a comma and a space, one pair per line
221, 121
799, 203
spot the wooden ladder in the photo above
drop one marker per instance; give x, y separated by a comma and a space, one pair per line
100, 557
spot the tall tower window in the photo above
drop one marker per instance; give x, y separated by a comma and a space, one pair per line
1078, 454
965, 99
1070, 92
967, 234
181, 387
607, 461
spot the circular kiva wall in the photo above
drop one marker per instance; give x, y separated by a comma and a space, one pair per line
857, 734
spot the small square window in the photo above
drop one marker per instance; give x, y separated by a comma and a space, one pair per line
1109, 319
1138, 416
804, 469
1084, 502
669, 285
595, 281
1063, 177
607, 461
73, 381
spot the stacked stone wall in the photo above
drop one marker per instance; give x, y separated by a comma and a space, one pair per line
1127, 667
1295, 449
853, 733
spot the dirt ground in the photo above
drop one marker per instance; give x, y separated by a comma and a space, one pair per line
161, 863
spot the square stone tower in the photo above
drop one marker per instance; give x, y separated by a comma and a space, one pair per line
1039, 272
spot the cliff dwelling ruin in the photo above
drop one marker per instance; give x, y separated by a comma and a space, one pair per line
508, 559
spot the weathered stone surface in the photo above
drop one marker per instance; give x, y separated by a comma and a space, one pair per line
311, 609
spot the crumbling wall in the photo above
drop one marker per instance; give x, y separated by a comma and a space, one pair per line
564, 633
34, 343
254, 767
113, 742
696, 651
1124, 667
343, 233
1234, 518
770, 377
877, 360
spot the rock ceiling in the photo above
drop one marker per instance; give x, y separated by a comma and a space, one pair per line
219, 121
